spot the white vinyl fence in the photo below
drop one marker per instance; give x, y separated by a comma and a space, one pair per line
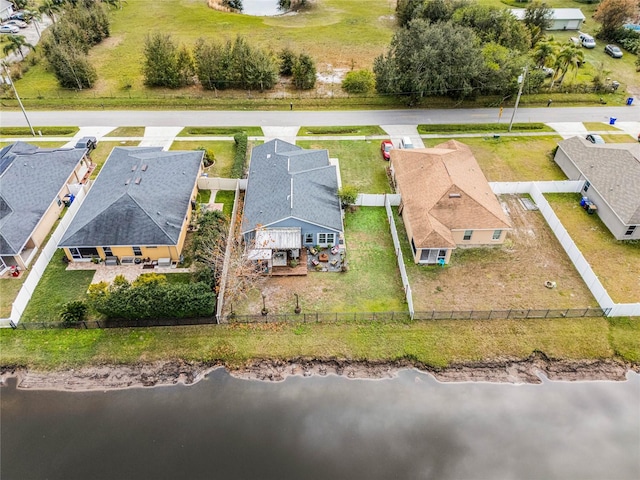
227, 256
536, 190
216, 183
398, 250
37, 269
377, 200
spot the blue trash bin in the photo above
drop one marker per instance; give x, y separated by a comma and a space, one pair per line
630, 101
612, 120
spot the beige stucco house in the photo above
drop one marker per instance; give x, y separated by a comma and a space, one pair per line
33, 185
446, 201
138, 209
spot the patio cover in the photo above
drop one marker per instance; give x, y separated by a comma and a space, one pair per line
259, 254
278, 238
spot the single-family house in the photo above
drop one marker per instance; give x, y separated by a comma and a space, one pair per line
561, 18
291, 202
446, 201
6, 9
138, 208
611, 174
33, 185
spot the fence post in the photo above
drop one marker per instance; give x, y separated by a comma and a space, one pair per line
12, 325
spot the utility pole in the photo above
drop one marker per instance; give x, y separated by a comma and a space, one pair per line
521, 81
10, 82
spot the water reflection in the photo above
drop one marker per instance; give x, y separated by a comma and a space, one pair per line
261, 8
408, 427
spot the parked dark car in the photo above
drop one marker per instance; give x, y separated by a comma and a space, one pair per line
595, 138
613, 51
89, 143
21, 15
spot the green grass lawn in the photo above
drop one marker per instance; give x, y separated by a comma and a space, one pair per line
615, 262
9, 288
46, 131
223, 152
220, 131
600, 127
510, 159
126, 132
226, 197
482, 128
364, 130
434, 343
203, 196
103, 150
361, 163
56, 287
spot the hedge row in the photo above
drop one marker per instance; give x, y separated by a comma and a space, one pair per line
241, 155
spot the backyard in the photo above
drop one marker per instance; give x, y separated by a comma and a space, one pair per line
616, 263
372, 283
509, 277
361, 163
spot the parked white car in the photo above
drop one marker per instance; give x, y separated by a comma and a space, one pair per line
587, 40
9, 29
17, 23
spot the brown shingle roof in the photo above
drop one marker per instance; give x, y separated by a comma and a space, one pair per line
444, 189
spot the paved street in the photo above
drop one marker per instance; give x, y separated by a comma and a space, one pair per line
169, 118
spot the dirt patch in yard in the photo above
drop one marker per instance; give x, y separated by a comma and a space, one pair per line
512, 276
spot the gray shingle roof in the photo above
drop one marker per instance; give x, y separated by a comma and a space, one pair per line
30, 179
613, 170
286, 181
141, 197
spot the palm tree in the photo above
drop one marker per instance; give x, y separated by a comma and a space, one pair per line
50, 8
570, 56
544, 54
15, 43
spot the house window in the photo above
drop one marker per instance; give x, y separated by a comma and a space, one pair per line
467, 234
326, 238
630, 230
137, 251
308, 238
496, 234
586, 186
107, 251
442, 254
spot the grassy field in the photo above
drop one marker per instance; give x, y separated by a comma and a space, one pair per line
347, 131
56, 287
616, 263
223, 150
511, 159
339, 34
220, 131
361, 163
435, 343
372, 283
482, 128
46, 131
126, 132
9, 288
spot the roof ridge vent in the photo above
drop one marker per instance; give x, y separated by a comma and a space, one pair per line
454, 195
138, 180
127, 181
133, 169
144, 167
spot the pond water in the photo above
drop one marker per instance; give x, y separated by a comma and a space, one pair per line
409, 427
261, 8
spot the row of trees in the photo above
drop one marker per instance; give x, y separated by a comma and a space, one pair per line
218, 66
84, 24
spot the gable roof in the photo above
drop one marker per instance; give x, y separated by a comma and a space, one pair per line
556, 13
30, 180
444, 189
141, 197
286, 181
613, 170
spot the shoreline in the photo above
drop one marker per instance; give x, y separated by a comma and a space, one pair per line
166, 373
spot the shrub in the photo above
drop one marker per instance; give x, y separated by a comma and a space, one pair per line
241, 155
74, 312
359, 81
348, 195
304, 72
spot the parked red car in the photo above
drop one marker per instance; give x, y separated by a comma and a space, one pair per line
385, 147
